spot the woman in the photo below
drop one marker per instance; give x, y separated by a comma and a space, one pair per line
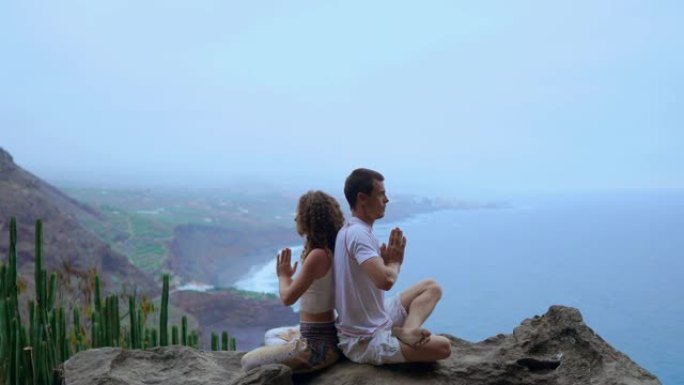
318, 219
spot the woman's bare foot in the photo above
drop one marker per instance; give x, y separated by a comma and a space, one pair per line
413, 337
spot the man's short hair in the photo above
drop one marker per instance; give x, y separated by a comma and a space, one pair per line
360, 181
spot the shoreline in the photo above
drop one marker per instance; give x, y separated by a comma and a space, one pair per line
238, 270
263, 270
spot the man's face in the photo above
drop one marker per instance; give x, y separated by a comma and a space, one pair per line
377, 200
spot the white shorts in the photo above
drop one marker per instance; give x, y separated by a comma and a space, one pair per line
382, 347
281, 335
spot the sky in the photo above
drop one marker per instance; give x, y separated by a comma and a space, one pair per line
442, 97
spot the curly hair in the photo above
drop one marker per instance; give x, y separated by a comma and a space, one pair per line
319, 218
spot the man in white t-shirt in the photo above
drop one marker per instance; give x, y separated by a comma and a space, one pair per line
371, 329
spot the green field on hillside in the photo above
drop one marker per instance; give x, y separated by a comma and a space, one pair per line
141, 223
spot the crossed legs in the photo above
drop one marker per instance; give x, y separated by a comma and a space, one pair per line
417, 343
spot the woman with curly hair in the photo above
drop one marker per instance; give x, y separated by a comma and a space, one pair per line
318, 219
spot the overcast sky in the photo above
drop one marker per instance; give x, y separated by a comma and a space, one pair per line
439, 96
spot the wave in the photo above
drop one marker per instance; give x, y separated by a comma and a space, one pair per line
262, 278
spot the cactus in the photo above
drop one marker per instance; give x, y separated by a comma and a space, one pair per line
52, 293
194, 339
174, 335
28, 353
164, 315
96, 334
78, 340
214, 342
63, 340
141, 327
134, 339
113, 325
184, 331
154, 340
40, 289
224, 340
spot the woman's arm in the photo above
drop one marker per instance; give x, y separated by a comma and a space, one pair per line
315, 265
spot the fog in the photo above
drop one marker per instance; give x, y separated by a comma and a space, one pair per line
444, 98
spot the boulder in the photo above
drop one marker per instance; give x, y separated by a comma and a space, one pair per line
556, 348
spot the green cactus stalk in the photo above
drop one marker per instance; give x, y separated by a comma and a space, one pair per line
184, 331
95, 331
126, 340
224, 340
102, 319
35, 331
45, 363
77, 330
52, 293
193, 339
108, 320
43, 316
25, 358
112, 321
148, 339
155, 339
3, 329
56, 334
133, 341
141, 329
34, 364
63, 336
12, 273
164, 316
232, 344
214, 342
32, 316
174, 335
17, 352
38, 269
117, 322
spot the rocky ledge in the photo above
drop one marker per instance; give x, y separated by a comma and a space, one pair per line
556, 348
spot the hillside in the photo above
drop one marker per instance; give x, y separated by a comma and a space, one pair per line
67, 244
77, 238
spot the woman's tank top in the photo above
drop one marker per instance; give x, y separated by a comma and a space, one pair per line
320, 296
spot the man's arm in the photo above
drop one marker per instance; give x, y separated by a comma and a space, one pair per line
384, 271
383, 275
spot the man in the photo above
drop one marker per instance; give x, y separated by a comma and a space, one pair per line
371, 329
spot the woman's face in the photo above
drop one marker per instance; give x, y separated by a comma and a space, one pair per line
300, 226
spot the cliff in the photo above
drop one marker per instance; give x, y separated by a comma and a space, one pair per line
68, 246
556, 348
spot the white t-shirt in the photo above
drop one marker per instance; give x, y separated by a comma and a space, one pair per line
359, 304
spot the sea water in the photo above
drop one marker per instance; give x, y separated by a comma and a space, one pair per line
618, 257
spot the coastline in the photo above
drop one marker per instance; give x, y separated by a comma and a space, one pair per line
260, 277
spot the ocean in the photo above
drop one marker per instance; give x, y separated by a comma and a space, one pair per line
616, 256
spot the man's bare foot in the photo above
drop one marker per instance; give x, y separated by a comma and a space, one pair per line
413, 337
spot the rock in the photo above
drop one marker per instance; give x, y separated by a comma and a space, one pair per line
164, 365
556, 348
268, 374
